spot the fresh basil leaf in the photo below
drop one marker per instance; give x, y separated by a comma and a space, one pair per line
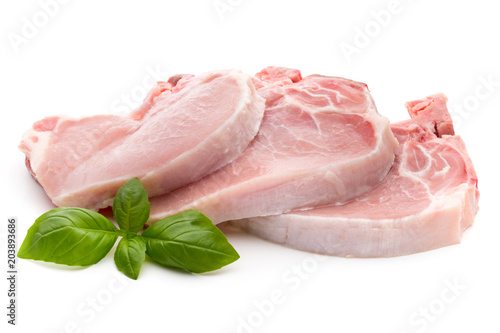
131, 206
130, 255
190, 241
70, 236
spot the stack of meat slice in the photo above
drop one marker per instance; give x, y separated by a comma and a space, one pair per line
325, 173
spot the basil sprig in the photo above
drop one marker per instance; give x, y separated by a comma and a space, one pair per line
81, 237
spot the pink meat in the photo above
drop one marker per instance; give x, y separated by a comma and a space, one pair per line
321, 141
428, 199
185, 129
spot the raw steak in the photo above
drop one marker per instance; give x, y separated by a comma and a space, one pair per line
427, 201
185, 129
321, 141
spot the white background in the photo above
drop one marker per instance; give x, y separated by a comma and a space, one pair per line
92, 55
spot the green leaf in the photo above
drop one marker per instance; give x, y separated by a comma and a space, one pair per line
131, 206
130, 255
190, 241
70, 236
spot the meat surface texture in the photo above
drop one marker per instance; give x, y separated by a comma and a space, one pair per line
321, 141
167, 143
428, 199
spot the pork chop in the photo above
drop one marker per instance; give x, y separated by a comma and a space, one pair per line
321, 141
185, 129
428, 199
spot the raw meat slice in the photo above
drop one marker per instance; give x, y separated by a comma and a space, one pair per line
427, 201
167, 143
321, 141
